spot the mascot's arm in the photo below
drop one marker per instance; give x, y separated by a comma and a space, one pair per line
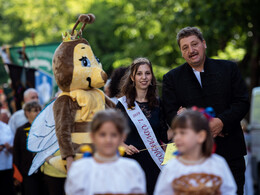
64, 110
109, 103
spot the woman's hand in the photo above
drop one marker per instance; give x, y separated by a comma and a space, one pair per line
181, 109
130, 149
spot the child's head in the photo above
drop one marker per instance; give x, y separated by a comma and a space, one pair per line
191, 129
108, 131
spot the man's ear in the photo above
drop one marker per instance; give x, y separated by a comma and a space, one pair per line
204, 43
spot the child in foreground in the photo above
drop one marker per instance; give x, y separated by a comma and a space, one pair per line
196, 170
106, 172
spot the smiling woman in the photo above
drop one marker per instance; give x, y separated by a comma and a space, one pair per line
141, 107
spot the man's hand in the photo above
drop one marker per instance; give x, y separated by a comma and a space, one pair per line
216, 126
69, 160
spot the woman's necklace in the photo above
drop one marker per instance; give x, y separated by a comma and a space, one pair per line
191, 162
105, 159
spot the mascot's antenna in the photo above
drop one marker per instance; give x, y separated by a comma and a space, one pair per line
85, 19
75, 35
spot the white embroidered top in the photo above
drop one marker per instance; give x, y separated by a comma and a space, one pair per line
215, 165
6, 136
88, 177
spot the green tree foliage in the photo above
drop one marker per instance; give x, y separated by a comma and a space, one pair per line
126, 29
46, 19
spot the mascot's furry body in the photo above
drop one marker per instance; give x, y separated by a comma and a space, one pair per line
78, 74
80, 99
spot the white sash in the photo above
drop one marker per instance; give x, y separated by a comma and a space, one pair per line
145, 131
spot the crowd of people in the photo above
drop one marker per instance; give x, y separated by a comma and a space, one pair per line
142, 123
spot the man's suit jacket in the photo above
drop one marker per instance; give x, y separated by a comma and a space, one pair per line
222, 88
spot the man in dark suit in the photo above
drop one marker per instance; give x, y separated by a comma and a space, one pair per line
205, 82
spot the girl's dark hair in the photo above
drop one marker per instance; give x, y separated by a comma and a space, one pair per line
115, 81
109, 115
128, 86
198, 122
32, 105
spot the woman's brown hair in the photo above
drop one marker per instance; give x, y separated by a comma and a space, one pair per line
32, 105
109, 115
198, 122
128, 86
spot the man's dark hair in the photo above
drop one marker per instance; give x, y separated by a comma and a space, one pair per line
189, 31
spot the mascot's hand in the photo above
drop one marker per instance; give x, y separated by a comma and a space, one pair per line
69, 160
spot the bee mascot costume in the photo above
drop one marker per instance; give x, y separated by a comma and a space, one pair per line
78, 74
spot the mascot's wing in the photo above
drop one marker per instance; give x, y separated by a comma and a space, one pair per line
40, 157
42, 137
42, 132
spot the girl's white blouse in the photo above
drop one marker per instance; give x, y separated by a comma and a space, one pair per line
88, 177
215, 165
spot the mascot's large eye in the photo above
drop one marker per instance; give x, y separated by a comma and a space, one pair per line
85, 61
97, 59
